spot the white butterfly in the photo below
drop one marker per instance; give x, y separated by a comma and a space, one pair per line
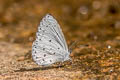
50, 45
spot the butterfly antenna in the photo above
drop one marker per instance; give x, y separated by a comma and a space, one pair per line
73, 44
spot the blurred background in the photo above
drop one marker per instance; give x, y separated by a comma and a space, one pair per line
79, 19
93, 23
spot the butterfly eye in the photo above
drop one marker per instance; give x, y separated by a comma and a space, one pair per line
58, 48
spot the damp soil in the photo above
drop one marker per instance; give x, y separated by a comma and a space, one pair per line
93, 25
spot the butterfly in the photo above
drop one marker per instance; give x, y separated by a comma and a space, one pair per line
50, 45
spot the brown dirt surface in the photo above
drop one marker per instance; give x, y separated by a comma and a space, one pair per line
94, 24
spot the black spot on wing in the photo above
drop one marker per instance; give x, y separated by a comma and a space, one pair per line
38, 57
43, 60
54, 53
44, 55
50, 40
50, 60
33, 55
43, 49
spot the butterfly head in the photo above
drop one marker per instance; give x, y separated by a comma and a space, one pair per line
67, 57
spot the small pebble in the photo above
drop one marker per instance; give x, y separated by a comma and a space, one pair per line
109, 46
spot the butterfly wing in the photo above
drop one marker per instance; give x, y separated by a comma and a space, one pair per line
45, 53
50, 45
51, 26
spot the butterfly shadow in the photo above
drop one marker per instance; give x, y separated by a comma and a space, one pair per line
38, 68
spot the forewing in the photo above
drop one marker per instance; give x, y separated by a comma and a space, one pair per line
51, 28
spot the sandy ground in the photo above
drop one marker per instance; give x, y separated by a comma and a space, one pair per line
13, 68
15, 65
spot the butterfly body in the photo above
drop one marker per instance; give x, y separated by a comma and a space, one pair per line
50, 45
